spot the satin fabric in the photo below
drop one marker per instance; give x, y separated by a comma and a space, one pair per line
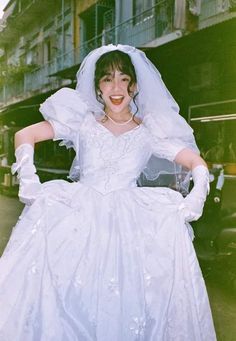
103, 259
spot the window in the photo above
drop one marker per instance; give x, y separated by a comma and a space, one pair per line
96, 24
47, 51
142, 10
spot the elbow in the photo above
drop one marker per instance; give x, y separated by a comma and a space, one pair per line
195, 160
34, 133
17, 137
189, 159
23, 136
18, 134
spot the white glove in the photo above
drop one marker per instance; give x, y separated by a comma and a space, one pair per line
29, 183
193, 203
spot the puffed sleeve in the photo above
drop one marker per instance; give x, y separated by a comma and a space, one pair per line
167, 147
161, 169
65, 110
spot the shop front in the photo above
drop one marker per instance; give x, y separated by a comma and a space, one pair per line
214, 126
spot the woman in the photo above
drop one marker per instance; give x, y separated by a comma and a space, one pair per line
100, 258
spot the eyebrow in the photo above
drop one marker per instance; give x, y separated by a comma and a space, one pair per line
111, 74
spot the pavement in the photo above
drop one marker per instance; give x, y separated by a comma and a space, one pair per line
223, 305
222, 300
10, 209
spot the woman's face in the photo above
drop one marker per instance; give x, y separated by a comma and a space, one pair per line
114, 89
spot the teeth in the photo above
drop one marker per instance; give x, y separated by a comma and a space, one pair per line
116, 97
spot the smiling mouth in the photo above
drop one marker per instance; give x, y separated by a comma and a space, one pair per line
117, 100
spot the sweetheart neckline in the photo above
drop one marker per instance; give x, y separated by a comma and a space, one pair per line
109, 131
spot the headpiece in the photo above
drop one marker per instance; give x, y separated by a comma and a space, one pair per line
156, 107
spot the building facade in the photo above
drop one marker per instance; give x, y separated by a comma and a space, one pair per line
42, 44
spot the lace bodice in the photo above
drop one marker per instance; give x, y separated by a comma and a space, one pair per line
104, 161
109, 162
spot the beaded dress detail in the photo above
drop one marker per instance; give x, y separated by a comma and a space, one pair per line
102, 259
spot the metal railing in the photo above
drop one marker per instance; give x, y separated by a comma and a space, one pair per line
211, 8
12, 91
136, 31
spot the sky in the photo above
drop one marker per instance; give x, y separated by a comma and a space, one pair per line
2, 5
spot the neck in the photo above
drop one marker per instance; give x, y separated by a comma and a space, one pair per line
121, 116
121, 122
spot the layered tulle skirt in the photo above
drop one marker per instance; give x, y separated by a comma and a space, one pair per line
83, 266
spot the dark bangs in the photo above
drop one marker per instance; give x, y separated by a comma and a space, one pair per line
111, 61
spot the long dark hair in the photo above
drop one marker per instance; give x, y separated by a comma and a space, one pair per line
111, 61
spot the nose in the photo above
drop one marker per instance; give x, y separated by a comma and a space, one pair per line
116, 84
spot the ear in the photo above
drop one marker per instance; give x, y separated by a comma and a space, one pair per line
134, 87
134, 90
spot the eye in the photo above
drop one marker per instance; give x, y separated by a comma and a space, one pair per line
107, 79
126, 79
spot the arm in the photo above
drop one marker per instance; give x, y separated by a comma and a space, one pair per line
25, 139
189, 159
34, 133
193, 204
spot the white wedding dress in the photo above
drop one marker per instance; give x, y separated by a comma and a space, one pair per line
102, 259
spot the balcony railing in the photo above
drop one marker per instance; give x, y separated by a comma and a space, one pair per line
137, 31
211, 8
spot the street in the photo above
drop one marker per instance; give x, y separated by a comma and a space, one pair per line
223, 302
10, 209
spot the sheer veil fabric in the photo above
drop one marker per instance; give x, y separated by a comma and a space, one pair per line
156, 108
102, 259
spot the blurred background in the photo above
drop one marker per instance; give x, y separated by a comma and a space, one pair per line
192, 43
